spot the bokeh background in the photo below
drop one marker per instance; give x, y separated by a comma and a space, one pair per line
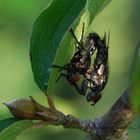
16, 78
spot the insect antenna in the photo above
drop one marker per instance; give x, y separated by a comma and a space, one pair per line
108, 38
81, 40
104, 39
79, 43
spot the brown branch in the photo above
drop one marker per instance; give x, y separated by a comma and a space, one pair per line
111, 126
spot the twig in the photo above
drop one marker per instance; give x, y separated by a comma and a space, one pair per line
50, 101
111, 126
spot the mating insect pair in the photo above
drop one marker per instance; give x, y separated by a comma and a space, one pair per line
95, 77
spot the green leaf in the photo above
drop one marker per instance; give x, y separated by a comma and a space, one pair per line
67, 47
135, 79
95, 7
135, 64
14, 130
7, 122
50, 33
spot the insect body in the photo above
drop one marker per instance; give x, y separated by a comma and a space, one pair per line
81, 60
96, 77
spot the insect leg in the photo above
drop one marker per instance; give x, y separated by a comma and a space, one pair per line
84, 87
60, 67
81, 90
81, 40
62, 74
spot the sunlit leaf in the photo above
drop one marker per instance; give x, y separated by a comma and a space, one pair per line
67, 47
48, 31
51, 28
95, 7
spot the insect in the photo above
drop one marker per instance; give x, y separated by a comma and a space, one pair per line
81, 60
97, 76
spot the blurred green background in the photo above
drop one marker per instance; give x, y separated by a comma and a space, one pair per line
16, 78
